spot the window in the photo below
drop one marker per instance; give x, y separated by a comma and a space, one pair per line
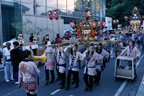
40, 10
104, 10
29, 1
97, 7
93, 7
28, 8
41, 2
7, 2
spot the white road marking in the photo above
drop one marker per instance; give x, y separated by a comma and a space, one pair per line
55, 91
121, 88
13, 92
139, 61
123, 85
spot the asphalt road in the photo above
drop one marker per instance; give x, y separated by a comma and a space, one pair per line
108, 86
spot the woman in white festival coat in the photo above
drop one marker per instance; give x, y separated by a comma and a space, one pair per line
49, 65
131, 51
91, 60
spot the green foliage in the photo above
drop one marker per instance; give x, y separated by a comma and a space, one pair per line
117, 9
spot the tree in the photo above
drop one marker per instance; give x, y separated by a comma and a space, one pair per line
117, 9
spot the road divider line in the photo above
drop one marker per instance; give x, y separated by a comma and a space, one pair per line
13, 92
123, 85
121, 88
55, 91
139, 61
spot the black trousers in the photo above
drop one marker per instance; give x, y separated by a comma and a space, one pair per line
28, 94
89, 82
57, 70
47, 75
63, 75
0, 61
104, 64
98, 76
75, 75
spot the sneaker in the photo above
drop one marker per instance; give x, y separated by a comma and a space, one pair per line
62, 87
47, 82
51, 82
97, 83
58, 79
17, 82
7, 80
76, 86
90, 90
73, 82
67, 88
12, 79
86, 89
60, 83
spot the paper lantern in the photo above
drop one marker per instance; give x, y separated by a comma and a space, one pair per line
103, 24
94, 24
72, 24
86, 13
51, 15
117, 21
56, 15
126, 18
114, 21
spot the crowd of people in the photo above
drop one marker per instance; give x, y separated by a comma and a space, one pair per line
19, 65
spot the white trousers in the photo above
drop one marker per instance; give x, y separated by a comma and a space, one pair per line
8, 70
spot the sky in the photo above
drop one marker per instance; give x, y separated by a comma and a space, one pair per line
51, 3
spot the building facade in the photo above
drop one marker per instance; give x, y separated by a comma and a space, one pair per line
33, 15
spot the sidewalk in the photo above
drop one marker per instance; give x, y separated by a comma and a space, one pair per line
140, 91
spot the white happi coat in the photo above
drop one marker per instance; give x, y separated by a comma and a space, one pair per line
105, 55
132, 53
92, 63
49, 52
30, 75
6, 54
77, 56
61, 60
